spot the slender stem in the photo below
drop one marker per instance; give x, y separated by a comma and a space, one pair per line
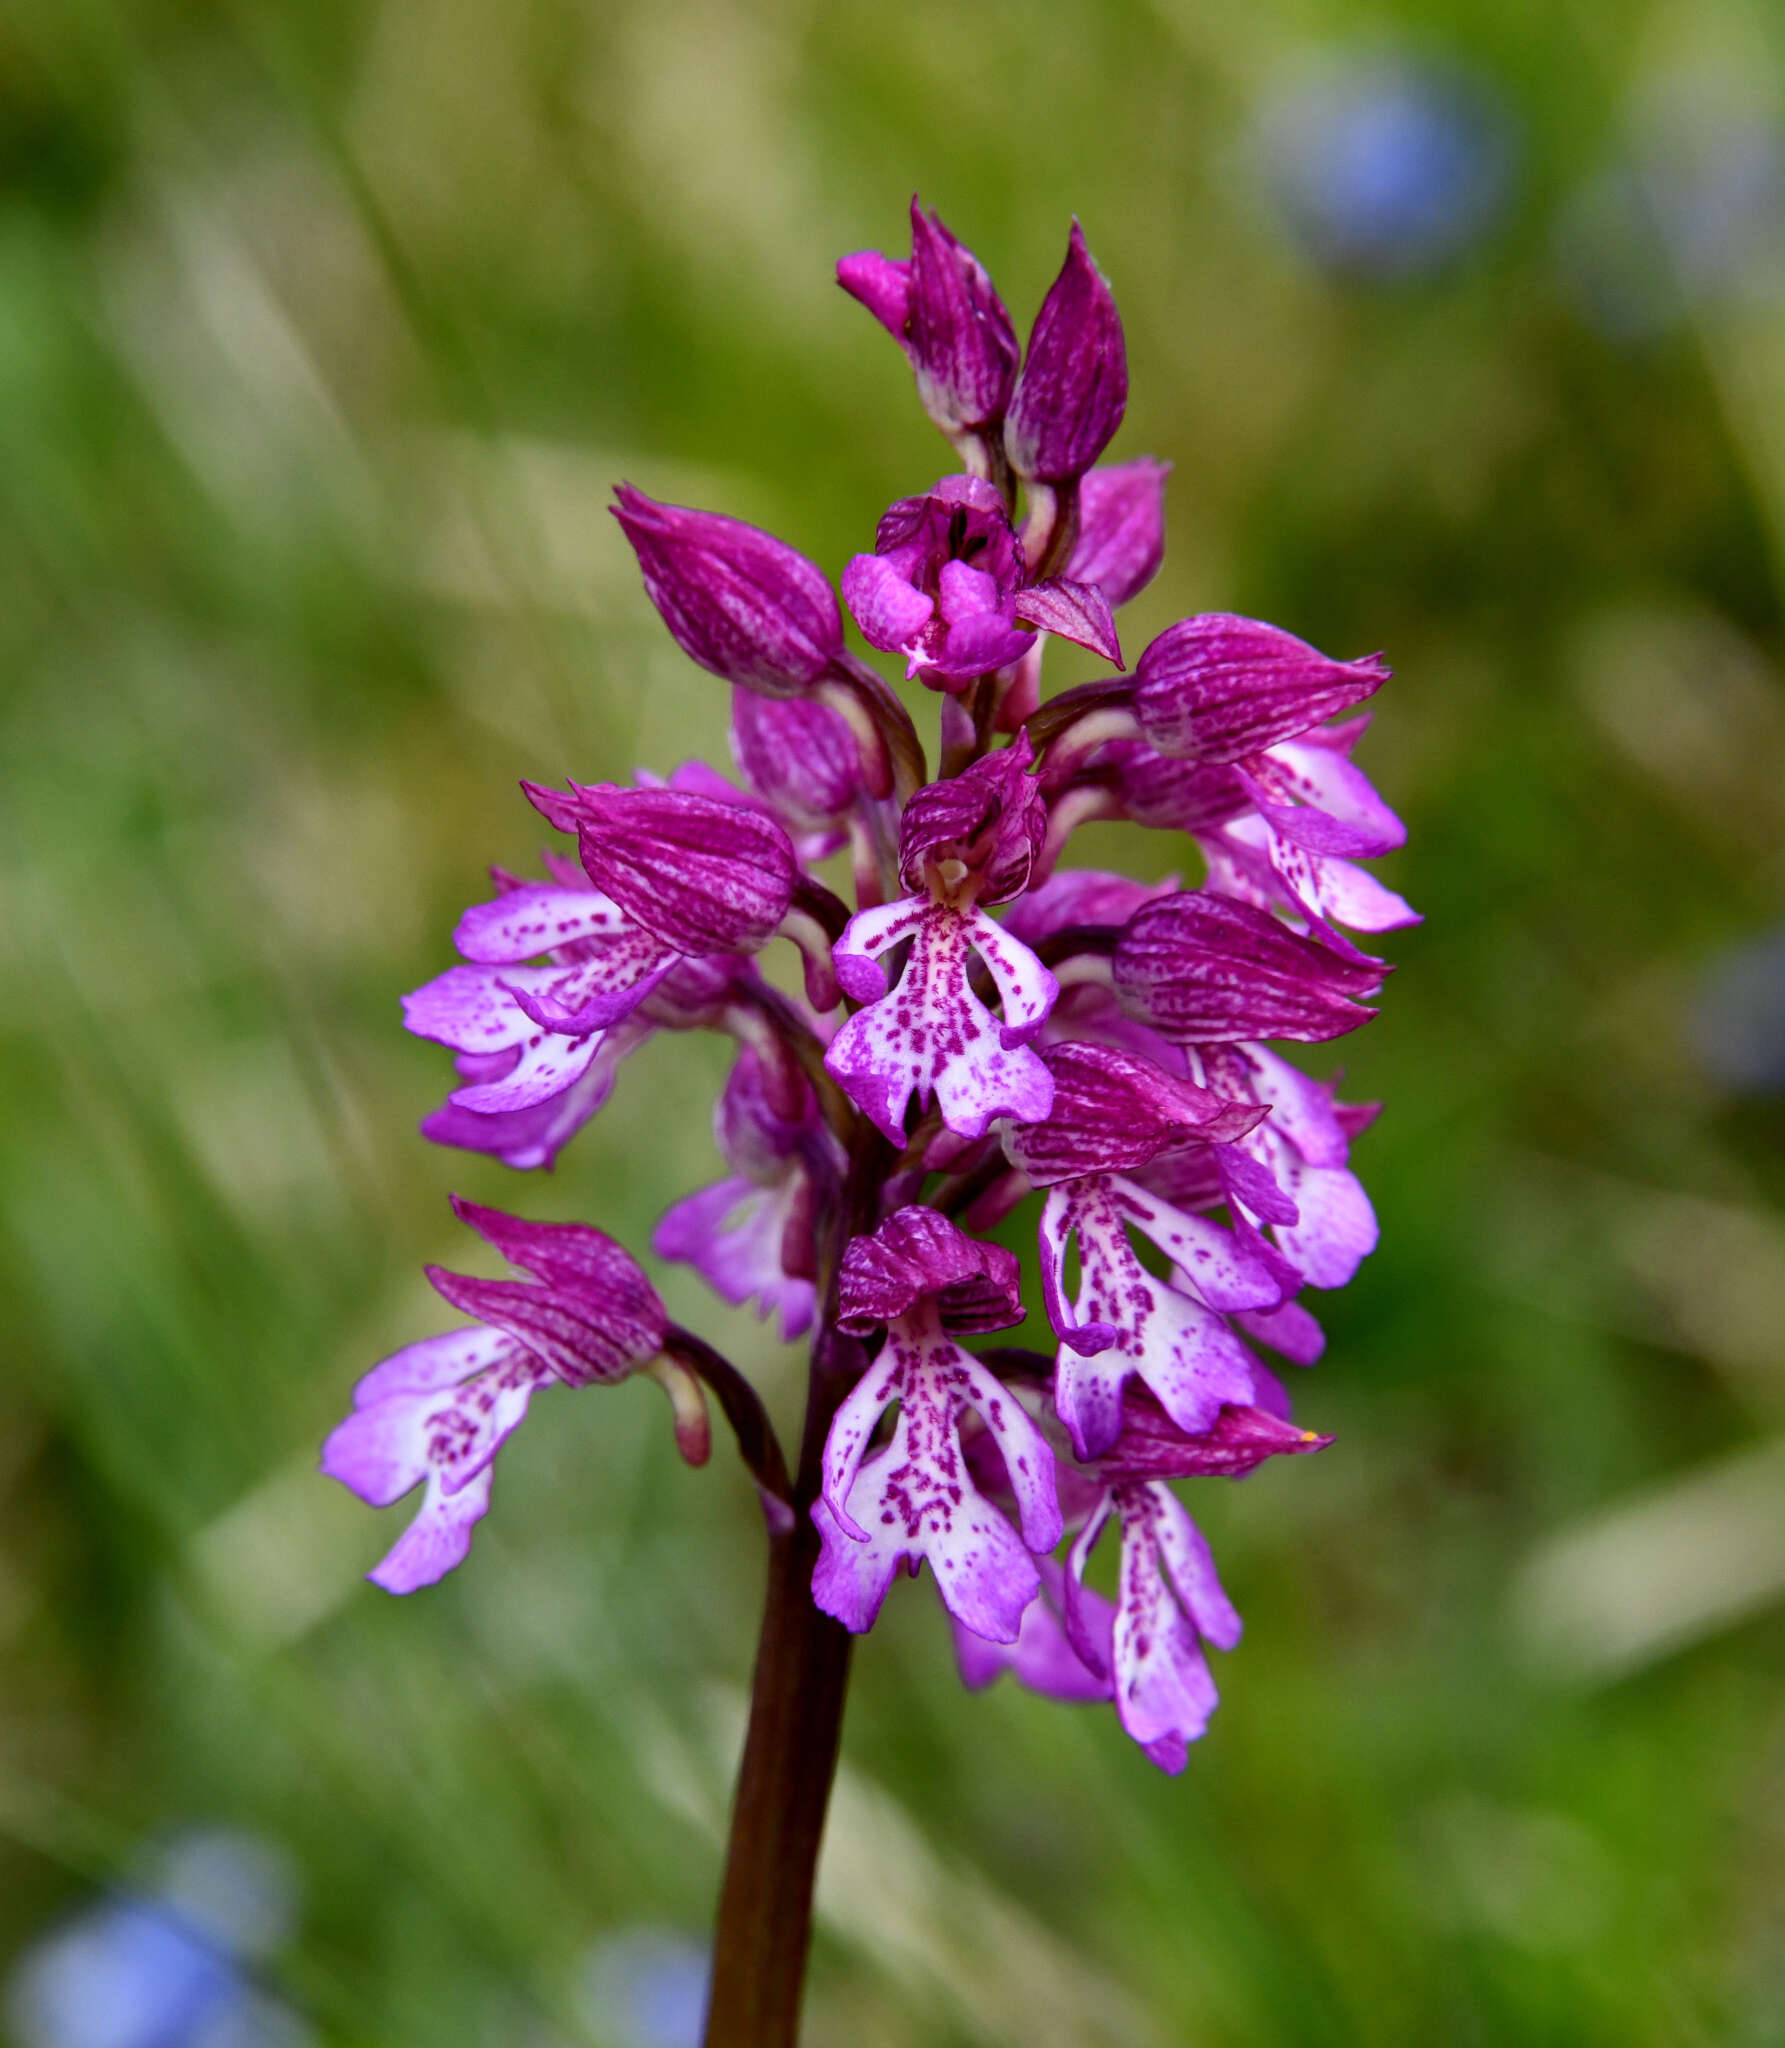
796, 1706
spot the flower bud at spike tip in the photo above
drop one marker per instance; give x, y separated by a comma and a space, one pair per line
738, 601
943, 311
1073, 390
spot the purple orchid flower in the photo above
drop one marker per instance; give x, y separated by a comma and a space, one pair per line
1170, 1600
440, 1410
963, 843
923, 1279
1101, 1047
948, 587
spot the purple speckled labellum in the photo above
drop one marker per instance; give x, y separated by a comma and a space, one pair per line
738, 601
701, 875
1202, 969
1073, 389
1220, 687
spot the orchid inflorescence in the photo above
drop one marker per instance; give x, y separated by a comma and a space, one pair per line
1100, 1043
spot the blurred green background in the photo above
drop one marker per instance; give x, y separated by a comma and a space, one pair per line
324, 327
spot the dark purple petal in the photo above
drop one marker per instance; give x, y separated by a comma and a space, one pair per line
1218, 687
961, 340
918, 1252
741, 603
1073, 611
1114, 1110
1152, 1446
1121, 528
974, 648
560, 1325
1202, 968
991, 817
1073, 389
582, 1259
704, 876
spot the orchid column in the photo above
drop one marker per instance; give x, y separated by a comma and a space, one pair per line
980, 1031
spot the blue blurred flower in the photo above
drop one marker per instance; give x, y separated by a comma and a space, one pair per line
1738, 1018
1384, 165
646, 1987
1692, 213
165, 1968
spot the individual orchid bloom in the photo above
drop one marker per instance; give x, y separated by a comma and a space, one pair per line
942, 310
697, 877
923, 1280
963, 843
1113, 1112
743, 604
1170, 1600
948, 588
1073, 389
439, 1411
751, 1237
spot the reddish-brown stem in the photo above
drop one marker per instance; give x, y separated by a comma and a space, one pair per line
796, 1707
